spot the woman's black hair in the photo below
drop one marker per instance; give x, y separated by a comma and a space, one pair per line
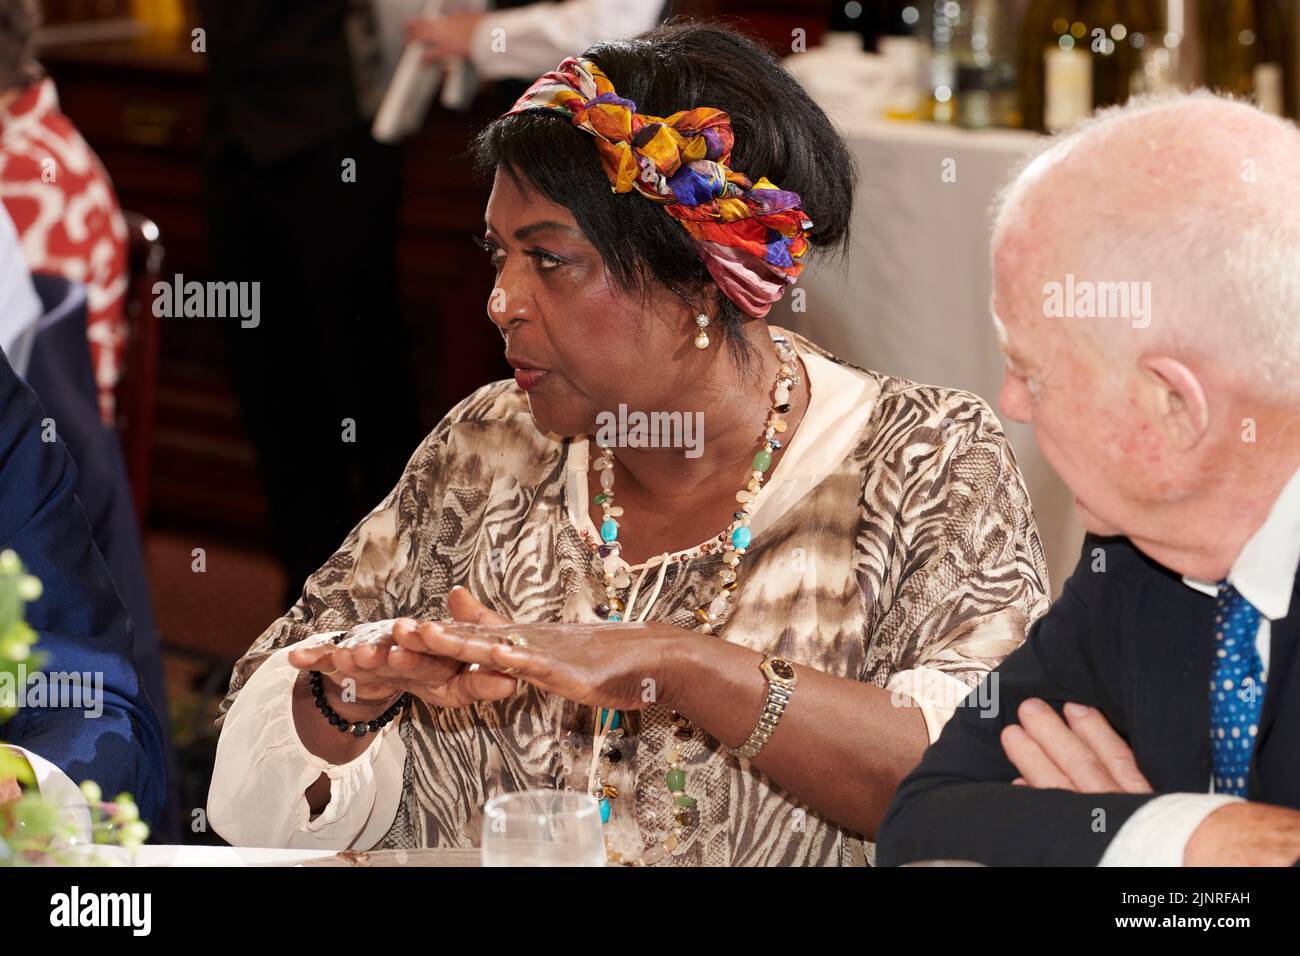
779, 131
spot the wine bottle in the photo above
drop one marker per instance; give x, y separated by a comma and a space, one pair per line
1110, 71
1150, 52
943, 21
986, 69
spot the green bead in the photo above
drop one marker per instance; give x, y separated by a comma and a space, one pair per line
601, 498
683, 801
762, 460
676, 779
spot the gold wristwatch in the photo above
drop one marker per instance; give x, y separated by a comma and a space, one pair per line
781, 679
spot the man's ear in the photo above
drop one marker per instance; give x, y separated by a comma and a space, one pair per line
1174, 397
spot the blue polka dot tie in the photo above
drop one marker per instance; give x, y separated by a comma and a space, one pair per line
1236, 690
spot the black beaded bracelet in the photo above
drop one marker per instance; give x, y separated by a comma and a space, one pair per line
360, 728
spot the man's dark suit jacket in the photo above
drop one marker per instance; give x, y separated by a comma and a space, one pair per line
1135, 642
79, 616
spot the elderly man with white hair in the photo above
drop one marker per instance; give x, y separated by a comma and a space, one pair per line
1147, 294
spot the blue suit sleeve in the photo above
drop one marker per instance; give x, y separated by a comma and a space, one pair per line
82, 625
960, 802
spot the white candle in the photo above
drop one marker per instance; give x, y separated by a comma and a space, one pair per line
1067, 94
1270, 95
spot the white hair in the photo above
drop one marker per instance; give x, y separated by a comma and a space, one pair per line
1198, 194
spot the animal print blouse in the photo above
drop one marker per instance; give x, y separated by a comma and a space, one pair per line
893, 544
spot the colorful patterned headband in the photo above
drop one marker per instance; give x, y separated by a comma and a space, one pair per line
752, 236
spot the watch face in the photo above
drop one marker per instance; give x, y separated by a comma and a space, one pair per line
781, 669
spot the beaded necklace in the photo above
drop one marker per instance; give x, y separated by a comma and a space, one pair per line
607, 730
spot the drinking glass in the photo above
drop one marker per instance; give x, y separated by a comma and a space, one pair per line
543, 828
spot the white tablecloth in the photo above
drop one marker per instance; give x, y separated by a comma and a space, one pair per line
166, 855
912, 297
208, 856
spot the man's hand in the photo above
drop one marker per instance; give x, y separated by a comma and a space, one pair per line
446, 37
15, 771
1085, 755
1245, 834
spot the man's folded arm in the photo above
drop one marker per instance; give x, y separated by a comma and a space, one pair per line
960, 802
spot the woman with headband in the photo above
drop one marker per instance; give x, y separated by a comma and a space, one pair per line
738, 619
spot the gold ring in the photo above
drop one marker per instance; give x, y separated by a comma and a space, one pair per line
330, 673
516, 640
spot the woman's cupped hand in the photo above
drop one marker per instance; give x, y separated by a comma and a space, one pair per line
482, 655
378, 664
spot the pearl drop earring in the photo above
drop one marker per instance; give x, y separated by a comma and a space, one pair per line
702, 337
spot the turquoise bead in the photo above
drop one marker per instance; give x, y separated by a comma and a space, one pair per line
609, 530
740, 538
614, 617
613, 724
604, 811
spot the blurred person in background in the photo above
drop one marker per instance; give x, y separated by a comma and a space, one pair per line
60, 197
302, 200
294, 86
521, 39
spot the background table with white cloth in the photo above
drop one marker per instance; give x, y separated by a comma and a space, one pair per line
912, 296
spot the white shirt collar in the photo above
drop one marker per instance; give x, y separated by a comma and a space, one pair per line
1265, 570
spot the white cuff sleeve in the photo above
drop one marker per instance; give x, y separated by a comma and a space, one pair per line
58, 789
262, 771
936, 693
524, 42
1158, 833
